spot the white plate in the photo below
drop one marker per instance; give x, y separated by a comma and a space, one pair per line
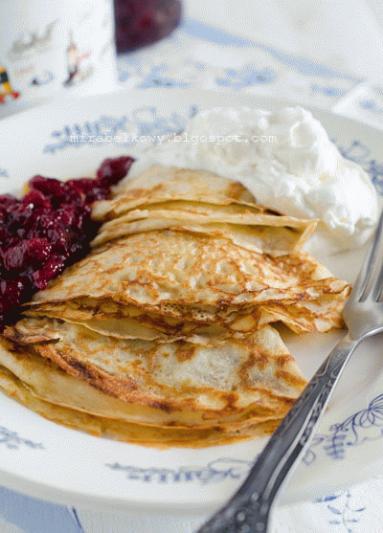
50, 461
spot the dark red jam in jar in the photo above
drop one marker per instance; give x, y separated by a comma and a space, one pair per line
47, 230
142, 22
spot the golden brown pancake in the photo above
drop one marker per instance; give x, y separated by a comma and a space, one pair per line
163, 268
162, 335
271, 234
162, 184
46, 381
134, 433
223, 383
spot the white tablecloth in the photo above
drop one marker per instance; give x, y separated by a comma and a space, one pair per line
320, 52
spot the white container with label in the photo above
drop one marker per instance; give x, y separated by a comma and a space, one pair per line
54, 47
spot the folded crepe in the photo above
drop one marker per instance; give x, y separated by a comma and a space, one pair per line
162, 335
163, 184
125, 431
184, 285
200, 202
272, 234
229, 386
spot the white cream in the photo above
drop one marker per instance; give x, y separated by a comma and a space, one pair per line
286, 159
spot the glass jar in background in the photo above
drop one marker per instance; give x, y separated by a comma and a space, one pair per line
142, 22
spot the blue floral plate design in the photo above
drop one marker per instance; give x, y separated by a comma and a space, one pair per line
69, 140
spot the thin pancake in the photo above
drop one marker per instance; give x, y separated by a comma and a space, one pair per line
115, 429
202, 213
262, 239
129, 322
162, 184
262, 233
226, 381
163, 268
48, 382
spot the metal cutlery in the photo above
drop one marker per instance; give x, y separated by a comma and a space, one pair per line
248, 511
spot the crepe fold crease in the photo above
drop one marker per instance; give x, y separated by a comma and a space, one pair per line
165, 333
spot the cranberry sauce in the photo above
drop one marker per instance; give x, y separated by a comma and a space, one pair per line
47, 230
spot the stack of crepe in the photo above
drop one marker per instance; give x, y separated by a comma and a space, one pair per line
165, 334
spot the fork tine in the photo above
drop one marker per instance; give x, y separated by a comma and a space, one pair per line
366, 281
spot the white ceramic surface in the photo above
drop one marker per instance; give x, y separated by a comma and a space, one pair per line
70, 139
49, 48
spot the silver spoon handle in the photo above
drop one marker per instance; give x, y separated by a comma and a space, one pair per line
249, 508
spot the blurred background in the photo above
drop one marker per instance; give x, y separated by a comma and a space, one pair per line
322, 52
338, 32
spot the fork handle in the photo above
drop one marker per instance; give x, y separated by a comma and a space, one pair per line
249, 508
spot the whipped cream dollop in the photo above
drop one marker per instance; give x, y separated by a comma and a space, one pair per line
286, 159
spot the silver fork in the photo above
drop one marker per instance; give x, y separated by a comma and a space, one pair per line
249, 509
